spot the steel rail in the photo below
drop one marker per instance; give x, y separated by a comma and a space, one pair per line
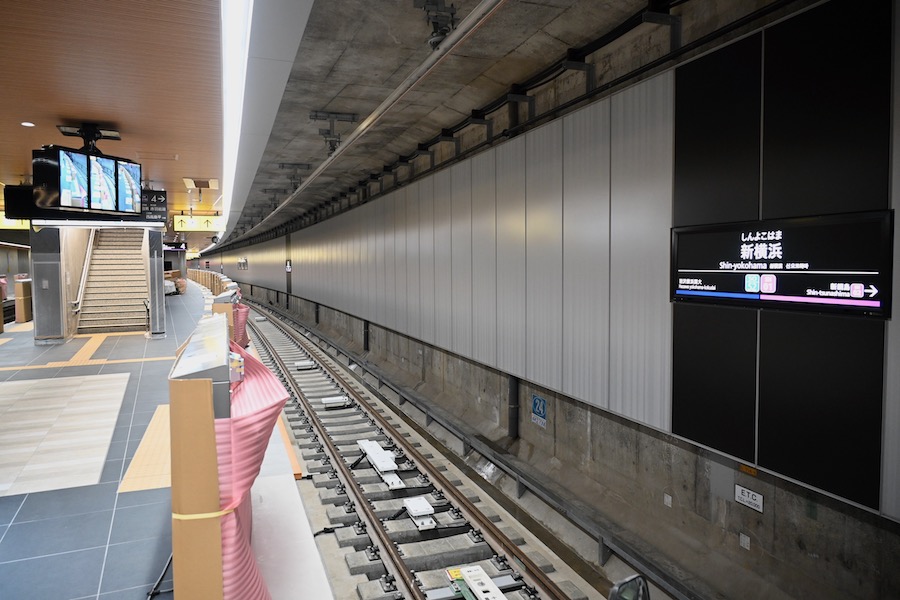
400, 572
533, 575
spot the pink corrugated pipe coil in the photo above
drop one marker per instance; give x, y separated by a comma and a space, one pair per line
241, 312
241, 441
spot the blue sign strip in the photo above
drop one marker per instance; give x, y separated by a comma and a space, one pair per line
717, 294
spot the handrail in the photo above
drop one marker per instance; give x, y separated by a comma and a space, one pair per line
76, 304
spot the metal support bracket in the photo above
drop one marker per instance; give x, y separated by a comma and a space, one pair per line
605, 552
589, 72
523, 98
672, 21
447, 136
478, 118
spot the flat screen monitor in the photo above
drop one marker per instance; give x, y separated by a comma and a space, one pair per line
73, 180
829, 264
129, 190
103, 182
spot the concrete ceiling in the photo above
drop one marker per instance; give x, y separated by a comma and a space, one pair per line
152, 71
354, 55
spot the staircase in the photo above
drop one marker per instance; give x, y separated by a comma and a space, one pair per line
116, 285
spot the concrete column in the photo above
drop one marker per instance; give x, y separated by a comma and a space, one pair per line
47, 287
157, 287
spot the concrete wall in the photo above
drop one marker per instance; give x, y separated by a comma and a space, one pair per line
73, 245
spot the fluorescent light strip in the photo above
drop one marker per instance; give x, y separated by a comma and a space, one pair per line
236, 24
72, 223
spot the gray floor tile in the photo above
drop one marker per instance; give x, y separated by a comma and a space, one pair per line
79, 371
132, 523
112, 471
9, 506
139, 593
52, 536
120, 434
144, 497
116, 450
26, 374
133, 564
132, 447
75, 574
70, 501
142, 417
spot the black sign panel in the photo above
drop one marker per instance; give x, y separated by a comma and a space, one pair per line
834, 263
153, 205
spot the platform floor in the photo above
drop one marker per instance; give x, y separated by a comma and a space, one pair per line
66, 532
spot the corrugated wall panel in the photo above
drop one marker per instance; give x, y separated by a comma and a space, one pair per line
413, 278
585, 287
543, 235
426, 257
511, 256
390, 266
380, 268
442, 259
371, 263
641, 217
461, 260
484, 258
401, 320
266, 264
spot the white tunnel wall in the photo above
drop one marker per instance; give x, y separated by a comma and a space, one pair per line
546, 257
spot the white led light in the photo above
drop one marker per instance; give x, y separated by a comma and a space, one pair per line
27, 124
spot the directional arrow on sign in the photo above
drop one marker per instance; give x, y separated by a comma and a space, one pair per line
871, 290
207, 222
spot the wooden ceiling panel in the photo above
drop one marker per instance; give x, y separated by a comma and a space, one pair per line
152, 70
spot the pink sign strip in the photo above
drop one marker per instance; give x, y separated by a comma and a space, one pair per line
806, 300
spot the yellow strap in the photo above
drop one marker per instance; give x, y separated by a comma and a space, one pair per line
209, 515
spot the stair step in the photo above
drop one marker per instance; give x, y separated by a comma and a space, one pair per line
116, 286
95, 320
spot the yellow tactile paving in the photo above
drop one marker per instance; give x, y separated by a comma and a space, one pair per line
17, 327
96, 361
151, 466
83, 358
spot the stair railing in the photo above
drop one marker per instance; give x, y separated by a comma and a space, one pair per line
76, 304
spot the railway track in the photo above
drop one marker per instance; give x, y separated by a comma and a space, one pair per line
414, 531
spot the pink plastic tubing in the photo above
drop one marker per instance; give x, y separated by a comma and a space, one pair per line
241, 442
241, 312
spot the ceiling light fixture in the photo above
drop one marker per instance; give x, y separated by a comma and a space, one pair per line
193, 183
27, 124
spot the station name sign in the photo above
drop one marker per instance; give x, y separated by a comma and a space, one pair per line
834, 263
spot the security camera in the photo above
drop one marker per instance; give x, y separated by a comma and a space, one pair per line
215, 239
